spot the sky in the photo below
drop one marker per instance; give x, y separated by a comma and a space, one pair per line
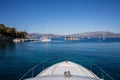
61, 16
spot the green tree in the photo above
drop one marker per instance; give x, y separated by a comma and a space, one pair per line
21, 34
11, 32
2, 29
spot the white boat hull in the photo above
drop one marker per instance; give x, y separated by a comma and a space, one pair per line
56, 72
16, 40
45, 39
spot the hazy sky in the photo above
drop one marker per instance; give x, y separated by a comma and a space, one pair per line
61, 16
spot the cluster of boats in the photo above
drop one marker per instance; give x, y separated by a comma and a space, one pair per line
42, 39
20, 40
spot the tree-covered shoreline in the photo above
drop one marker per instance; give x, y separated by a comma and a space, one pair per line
10, 33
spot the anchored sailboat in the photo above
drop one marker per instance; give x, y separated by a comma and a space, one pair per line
45, 39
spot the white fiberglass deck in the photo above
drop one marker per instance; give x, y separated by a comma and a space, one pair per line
56, 72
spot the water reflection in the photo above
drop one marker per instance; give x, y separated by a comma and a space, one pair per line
15, 56
5, 47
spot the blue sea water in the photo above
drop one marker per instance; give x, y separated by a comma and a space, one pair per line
17, 58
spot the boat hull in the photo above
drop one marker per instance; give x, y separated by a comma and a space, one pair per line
57, 72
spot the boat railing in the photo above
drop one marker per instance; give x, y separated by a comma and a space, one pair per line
31, 71
100, 72
94, 68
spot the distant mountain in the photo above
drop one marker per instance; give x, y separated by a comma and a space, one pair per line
97, 34
41, 34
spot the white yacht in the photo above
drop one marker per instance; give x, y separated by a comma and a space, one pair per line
66, 71
45, 39
16, 40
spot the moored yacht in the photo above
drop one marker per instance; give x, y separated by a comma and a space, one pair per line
45, 39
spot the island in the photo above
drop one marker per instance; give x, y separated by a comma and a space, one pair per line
10, 33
